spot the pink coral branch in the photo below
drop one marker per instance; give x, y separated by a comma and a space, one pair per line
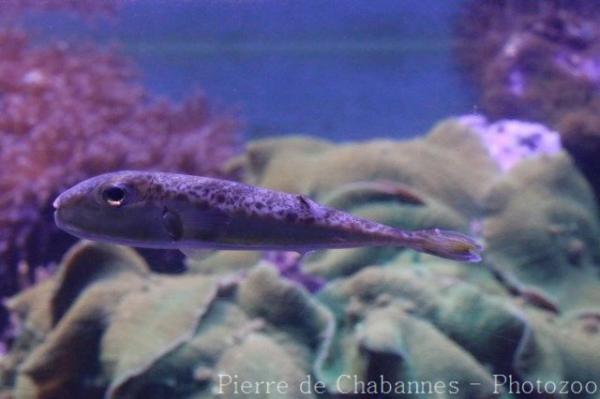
68, 112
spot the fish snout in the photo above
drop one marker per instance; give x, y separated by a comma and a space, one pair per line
67, 199
57, 202
60, 207
63, 201
66, 208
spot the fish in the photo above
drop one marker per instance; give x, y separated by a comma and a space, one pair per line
185, 212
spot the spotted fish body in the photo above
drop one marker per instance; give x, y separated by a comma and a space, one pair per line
165, 210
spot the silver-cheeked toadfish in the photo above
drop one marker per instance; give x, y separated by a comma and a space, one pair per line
166, 210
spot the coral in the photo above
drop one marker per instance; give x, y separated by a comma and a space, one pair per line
542, 228
430, 167
68, 112
118, 330
538, 61
538, 218
414, 325
223, 262
289, 265
383, 320
422, 183
51, 318
122, 332
579, 130
509, 142
531, 60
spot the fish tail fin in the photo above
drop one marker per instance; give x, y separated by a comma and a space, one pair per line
446, 244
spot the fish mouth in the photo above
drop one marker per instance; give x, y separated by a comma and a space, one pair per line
64, 225
58, 220
62, 222
70, 228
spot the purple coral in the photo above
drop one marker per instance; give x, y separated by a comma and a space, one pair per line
68, 112
290, 266
510, 141
538, 61
531, 60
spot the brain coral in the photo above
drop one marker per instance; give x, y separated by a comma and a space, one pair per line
68, 112
124, 333
409, 324
422, 183
530, 309
542, 227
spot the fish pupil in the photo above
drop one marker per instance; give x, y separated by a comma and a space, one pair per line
114, 196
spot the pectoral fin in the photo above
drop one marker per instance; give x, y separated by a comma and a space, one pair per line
172, 224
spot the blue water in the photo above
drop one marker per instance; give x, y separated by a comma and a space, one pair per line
344, 70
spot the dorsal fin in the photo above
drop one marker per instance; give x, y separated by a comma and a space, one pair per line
304, 201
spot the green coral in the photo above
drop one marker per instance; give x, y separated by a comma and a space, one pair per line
386, 319
434, 166
421, 183
62, 320
130, 333
408, 325
133, 334
542, 228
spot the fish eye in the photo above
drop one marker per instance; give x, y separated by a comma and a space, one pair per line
114, 195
